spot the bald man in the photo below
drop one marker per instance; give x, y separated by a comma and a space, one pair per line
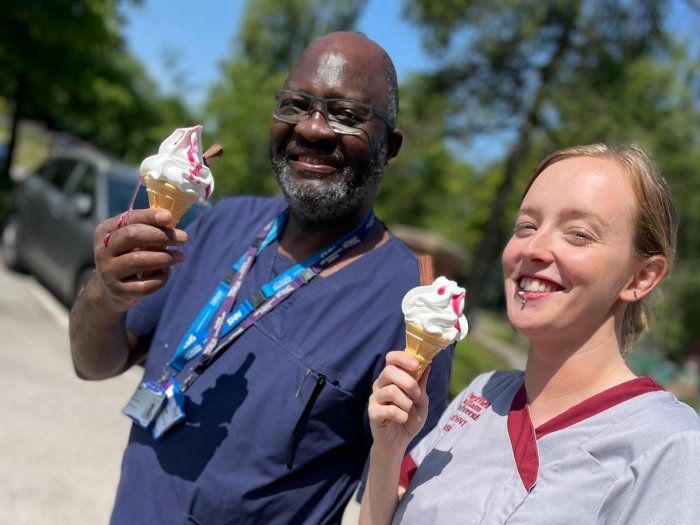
261, 418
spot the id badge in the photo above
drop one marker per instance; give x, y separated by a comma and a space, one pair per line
145, 404
173, 411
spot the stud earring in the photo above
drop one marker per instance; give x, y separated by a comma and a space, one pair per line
634, 294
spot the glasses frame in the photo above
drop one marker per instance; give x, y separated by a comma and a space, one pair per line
324, 111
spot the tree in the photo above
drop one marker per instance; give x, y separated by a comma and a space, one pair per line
64, 63
48, 52
503, 64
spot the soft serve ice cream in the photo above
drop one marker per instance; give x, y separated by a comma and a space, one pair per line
434, 319
178, 175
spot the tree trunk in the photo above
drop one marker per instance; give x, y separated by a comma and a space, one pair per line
5, 180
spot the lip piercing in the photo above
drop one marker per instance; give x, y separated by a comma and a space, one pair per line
523, 301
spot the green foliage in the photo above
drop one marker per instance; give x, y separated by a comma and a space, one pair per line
676, 316
64, 63
470, 360
426, 186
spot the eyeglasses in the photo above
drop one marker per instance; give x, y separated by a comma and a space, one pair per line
343, 115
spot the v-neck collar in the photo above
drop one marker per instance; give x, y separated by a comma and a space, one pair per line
523, 436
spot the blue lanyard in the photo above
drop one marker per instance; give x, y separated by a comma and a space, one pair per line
192, 343
216, 326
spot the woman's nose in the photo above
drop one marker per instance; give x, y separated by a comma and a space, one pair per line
538, 247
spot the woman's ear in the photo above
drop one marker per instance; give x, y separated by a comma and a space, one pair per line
648, 275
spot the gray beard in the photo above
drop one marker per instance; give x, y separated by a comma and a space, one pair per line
338, 200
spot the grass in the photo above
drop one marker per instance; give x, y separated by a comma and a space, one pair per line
33, 143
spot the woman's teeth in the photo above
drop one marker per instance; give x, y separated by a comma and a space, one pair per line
534, 285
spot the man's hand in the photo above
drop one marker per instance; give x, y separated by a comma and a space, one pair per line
133, 256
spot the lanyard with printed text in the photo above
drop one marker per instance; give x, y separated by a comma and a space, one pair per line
221, 302
269, 296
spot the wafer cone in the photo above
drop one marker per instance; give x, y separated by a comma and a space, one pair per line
163, 194
423, 345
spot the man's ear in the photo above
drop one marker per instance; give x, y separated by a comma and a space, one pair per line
648, 275
395, 140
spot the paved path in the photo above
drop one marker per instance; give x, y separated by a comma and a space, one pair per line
61, 439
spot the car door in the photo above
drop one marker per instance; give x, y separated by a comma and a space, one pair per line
69, 233
44, 201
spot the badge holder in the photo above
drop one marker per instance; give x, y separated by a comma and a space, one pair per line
146, 403
172, 413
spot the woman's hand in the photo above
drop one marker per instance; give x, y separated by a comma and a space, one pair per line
398, 406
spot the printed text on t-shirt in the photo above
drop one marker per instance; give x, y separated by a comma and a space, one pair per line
469, 408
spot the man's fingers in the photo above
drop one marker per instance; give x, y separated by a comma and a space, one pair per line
153, 216
133, 263
136, 235
157, 218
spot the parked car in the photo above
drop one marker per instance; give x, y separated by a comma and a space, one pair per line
55, 211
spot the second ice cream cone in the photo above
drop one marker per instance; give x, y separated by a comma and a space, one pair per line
423, 345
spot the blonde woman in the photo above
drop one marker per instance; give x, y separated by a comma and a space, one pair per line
576, 438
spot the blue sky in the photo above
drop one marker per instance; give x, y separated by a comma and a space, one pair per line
202, 36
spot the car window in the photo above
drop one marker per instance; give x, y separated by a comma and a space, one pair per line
61, 174
87, 181
47, 168
119, 193
82, 189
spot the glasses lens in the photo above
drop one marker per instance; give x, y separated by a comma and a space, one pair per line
347, 116
342, 116
292, 107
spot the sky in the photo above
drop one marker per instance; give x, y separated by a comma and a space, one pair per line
159, 27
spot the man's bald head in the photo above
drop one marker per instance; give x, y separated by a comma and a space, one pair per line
346, 54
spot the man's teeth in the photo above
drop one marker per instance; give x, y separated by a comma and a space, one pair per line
313, 160
533, 285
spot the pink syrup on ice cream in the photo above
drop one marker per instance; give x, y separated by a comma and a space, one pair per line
437, 308
180, 162
457, 304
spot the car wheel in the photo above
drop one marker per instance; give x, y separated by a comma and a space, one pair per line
11, 234
81, 280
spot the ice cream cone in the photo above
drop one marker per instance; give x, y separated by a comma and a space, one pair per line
162, 194
423, 345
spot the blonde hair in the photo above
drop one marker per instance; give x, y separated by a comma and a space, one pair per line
656, 216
